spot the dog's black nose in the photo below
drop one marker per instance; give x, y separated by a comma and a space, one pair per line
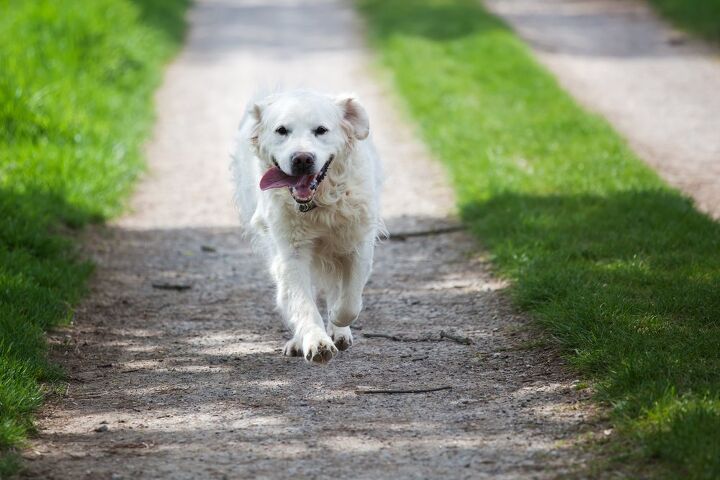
302, 163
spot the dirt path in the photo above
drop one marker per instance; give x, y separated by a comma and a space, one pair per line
191, 384
658, 87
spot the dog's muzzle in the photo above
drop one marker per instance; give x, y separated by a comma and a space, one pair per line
310, 204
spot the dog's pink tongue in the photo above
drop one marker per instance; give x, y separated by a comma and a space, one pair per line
276, 178
302, 187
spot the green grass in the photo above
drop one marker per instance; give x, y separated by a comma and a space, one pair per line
76, 83
699, 16
619, 268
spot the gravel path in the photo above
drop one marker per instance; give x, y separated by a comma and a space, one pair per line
191, 384
659, 88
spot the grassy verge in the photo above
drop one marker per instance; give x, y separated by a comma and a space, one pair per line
620, 268
698, 16
76, 80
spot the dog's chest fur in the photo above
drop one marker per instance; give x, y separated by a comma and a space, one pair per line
342, 219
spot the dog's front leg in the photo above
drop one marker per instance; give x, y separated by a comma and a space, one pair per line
348, 302
296, 301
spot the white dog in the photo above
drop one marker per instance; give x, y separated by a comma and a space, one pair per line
307, 183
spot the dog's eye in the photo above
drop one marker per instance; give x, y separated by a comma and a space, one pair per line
320, 130
281, 130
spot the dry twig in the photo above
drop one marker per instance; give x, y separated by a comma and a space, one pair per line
179, 287
365, 391
456, 338
443, 334
382, 335
402, 236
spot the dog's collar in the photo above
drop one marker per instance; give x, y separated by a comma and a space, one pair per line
306, 207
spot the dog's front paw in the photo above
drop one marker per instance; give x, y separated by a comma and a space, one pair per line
341, 336
318, 347
293, 348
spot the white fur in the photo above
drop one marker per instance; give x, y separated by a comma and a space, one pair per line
327, 251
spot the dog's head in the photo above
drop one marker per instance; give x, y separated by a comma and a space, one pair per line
299, 134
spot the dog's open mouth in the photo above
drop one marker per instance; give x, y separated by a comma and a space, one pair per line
302, 188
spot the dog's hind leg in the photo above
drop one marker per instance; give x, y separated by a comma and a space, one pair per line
296, 302
341, 336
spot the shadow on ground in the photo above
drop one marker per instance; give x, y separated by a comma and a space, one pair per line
163, 16
448, 21
40, 275
628, 282
193, 382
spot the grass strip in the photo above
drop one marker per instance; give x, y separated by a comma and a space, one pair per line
622, 270
701, 17
76, 83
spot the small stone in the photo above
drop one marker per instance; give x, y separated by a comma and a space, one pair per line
102, 428
677, 38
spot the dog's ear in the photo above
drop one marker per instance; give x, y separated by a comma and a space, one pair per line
355, 115
257, 108
256, 112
